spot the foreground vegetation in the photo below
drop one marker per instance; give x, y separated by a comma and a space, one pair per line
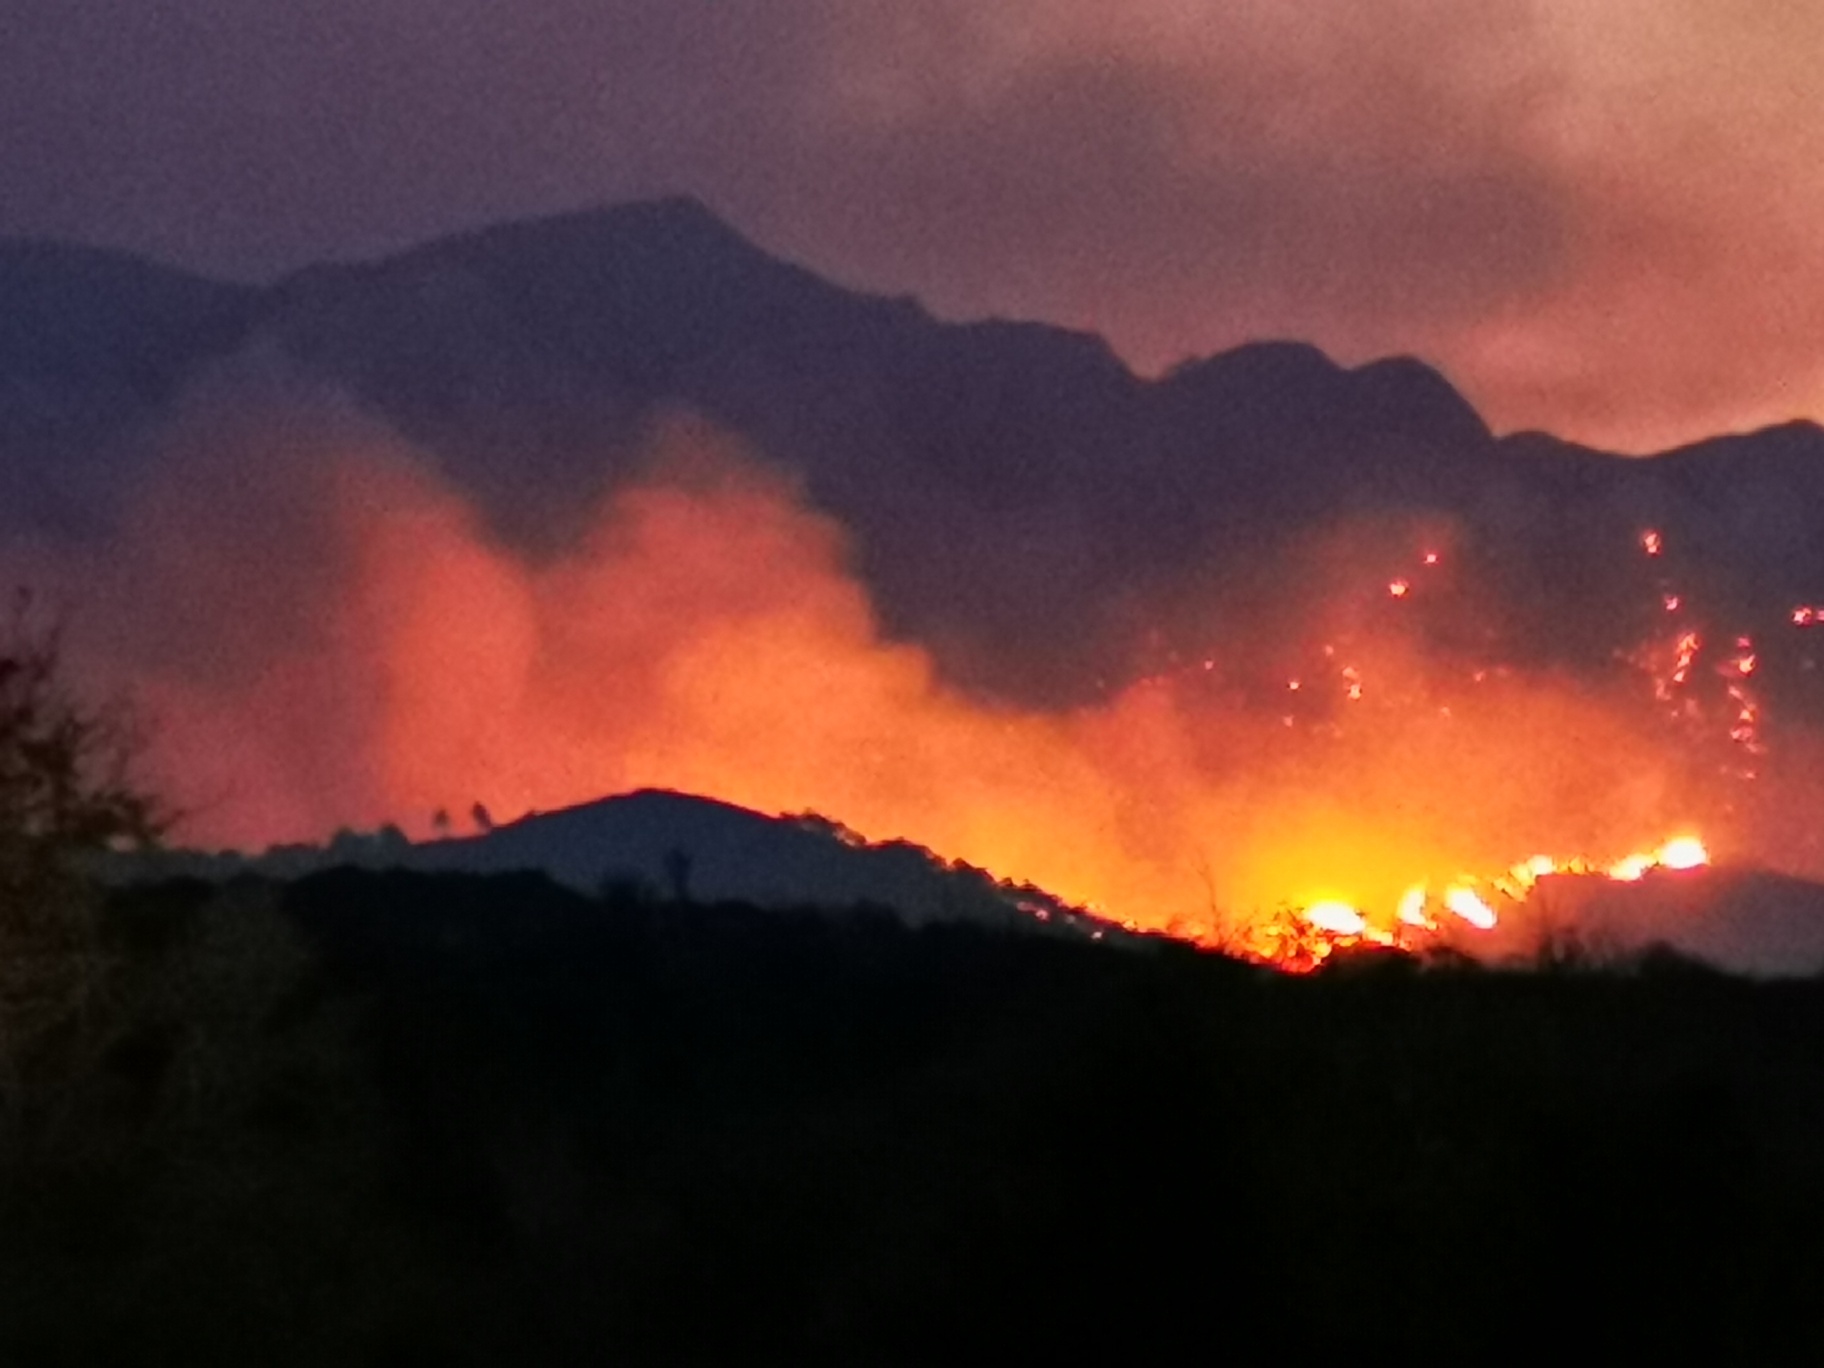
445, 1119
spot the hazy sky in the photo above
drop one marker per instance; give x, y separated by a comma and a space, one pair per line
1596, 215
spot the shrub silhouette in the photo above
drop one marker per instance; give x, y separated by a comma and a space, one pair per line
65, 782
66, 793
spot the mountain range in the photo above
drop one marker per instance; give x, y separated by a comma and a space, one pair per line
1012, 490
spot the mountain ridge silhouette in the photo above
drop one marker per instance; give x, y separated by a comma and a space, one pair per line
1011, 489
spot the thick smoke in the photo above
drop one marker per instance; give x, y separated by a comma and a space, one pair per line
320, 634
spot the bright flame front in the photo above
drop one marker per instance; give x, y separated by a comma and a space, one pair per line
1329, 924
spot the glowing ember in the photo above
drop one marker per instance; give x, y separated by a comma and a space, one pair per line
1652, 543
1689, 644
1745, 730
1431, 558
1400, 588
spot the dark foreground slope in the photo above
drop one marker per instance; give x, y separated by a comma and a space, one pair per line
442, 1119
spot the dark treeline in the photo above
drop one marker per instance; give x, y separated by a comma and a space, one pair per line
413, 1119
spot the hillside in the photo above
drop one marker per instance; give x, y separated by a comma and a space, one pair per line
675, 846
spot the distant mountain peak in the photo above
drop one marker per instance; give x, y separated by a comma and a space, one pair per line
1415, 393
1284, 381
677, 218
1274, 360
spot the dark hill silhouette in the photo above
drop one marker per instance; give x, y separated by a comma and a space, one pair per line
410, 1118
665, 847
1012, 488
659, 844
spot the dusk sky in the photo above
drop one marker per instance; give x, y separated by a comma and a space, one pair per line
1596, 216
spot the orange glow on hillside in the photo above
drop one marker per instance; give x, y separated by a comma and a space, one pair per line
707, 636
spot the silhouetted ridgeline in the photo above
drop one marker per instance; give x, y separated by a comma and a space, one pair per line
658, 842
440, 1118
1012, 488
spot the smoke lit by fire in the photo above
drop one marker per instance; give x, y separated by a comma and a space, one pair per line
337, 642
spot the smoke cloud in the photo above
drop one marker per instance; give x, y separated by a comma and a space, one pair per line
320, 633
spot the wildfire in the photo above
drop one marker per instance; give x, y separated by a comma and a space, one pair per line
1411, 911
1330, 924
1468, 904
1351, 785
1337, 918
1686, 852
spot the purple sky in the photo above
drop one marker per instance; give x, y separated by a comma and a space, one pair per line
1595, 215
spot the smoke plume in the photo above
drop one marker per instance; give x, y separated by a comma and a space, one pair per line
319, 633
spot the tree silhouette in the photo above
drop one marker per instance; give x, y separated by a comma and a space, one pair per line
66, 792
65, 768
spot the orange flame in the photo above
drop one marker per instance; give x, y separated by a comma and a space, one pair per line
1331, 924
